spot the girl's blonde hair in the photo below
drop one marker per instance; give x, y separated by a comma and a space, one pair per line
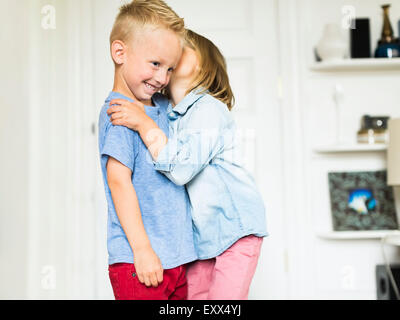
139, 13
212, 75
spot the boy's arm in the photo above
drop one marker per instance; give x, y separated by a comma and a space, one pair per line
147, 264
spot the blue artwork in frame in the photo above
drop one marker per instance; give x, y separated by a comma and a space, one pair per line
361, 201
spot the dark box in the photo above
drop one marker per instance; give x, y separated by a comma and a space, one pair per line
384, 288
376, 123
360, 39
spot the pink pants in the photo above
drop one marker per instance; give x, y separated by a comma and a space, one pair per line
228, 276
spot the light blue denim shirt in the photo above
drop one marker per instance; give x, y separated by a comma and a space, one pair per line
202, 153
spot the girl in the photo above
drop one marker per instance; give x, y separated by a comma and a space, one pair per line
227, 211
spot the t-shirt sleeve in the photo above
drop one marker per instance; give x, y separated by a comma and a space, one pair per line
119, 143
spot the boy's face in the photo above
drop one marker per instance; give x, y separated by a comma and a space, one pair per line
151, 58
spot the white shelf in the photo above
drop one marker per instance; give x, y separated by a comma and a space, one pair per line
394, 235
360, 147
371, 64
393, 240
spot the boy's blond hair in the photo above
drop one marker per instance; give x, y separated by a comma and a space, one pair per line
137, 14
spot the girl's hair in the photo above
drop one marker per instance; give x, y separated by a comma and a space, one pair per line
212, 75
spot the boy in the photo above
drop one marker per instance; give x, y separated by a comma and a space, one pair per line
150, 235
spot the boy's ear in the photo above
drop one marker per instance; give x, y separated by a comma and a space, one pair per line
118, 52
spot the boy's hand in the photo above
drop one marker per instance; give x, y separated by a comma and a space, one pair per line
148, 267
127, 114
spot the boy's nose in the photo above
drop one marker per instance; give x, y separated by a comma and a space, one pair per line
162, 78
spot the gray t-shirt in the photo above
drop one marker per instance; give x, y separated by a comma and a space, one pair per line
165, 207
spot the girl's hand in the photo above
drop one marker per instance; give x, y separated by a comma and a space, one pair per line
127, 114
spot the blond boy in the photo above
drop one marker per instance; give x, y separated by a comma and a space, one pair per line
149, 234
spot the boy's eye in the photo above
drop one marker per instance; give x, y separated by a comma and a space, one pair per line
156, 64
170, 69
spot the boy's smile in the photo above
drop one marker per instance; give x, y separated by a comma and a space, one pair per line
151, 89
151, 58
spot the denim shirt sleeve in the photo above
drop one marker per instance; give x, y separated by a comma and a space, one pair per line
191, 149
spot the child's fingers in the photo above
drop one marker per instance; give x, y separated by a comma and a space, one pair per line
140, 277
113, 109
147, 281
126, 104
153, 280
160, 276
117, 122
116, 115
117, 110
118, 102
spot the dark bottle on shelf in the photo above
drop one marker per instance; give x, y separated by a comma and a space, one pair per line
388, 45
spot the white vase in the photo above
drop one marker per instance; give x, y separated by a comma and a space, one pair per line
332, 46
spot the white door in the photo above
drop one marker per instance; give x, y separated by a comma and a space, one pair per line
246, 33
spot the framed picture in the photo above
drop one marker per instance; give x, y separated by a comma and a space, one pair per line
361, 201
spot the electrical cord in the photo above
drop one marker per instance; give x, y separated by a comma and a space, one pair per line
389, 271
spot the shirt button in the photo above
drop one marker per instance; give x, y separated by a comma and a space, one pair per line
172, 115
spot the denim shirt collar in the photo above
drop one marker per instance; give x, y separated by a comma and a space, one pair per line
182, 107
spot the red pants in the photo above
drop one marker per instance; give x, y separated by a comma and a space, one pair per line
126, 284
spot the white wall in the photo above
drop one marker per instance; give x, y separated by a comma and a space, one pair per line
14, 128
63, 153
321, 269
47, 215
